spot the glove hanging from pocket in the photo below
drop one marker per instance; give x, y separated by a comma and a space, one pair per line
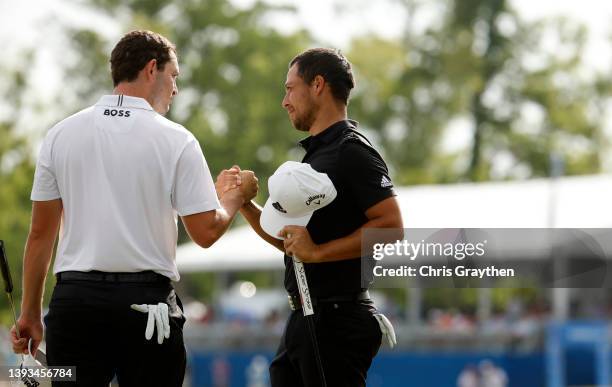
386, 328
158, 318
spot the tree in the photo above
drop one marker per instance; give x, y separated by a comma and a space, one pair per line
233, 69
482, 64
16, 171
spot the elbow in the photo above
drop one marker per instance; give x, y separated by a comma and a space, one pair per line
398, 227
393, 221
204, 229
395, 227
208, 238
206, 241
396, 221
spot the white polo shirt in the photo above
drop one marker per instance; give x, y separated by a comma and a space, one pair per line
123, 173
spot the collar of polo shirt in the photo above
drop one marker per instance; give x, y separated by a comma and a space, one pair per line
125, 101
329, 134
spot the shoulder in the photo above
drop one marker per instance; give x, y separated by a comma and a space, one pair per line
73, 121
173, 131
350, 136
172, 126
167, 123
356, 145
357, 153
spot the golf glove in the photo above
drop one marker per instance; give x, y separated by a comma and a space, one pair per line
29, 380
386, 328
158, 317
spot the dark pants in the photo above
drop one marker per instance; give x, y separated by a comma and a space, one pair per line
90, 325
348, 336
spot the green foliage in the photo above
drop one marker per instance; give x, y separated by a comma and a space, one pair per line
16, 171
232, 67
480, 64
484, 64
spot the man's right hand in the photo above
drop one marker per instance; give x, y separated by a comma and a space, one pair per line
236, 184
227, 180
29, 329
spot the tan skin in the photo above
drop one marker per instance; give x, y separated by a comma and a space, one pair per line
316, 100
234, 188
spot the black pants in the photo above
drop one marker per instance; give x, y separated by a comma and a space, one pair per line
90, 325
348, 336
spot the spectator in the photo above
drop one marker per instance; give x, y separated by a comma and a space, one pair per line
492, 376
468, 377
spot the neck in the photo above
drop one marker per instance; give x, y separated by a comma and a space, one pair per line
133, 90
326, 118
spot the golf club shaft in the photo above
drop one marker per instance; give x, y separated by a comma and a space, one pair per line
8, 287
308, 308
10, 297
8, 283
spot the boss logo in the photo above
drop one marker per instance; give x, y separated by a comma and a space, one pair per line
116, 113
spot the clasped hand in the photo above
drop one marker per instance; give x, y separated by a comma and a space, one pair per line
235, 181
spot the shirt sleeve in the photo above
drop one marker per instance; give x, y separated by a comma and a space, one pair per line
45, 182
365, 174
194, 189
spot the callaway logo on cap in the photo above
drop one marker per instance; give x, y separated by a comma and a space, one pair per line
296, 191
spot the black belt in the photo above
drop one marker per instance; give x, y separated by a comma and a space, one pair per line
101, 276
296, 304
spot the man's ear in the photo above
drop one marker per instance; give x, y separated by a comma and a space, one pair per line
150, 69
318, 84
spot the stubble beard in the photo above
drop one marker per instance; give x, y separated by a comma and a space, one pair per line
305, 121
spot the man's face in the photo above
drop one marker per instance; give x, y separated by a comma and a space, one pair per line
299, 101
165, 88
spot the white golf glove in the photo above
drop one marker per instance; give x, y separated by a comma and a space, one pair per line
386, 328
158, 316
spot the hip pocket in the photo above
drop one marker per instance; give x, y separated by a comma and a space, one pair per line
175, 308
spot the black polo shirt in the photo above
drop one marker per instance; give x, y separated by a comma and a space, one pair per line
361, 179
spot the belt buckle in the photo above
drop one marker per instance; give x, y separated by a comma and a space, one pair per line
292, 305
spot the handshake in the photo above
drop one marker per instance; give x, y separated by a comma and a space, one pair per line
238, 184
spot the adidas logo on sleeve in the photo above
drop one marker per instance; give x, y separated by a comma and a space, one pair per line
385, 182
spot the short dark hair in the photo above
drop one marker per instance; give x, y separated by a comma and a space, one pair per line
331, 65
135, 50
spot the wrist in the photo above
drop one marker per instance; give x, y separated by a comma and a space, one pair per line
31, 314
247, 205
318, 254
231, 200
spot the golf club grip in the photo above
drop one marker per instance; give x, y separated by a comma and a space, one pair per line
4, 267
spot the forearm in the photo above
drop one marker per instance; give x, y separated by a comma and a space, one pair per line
252, 212
37, 258
350, 246
224, 217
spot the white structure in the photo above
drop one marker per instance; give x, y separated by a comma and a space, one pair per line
568, 202
573, 202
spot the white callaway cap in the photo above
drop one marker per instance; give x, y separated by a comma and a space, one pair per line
296, 191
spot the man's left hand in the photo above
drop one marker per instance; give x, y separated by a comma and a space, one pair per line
299, 244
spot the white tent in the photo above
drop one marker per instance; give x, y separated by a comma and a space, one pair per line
576, 202
239, 249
